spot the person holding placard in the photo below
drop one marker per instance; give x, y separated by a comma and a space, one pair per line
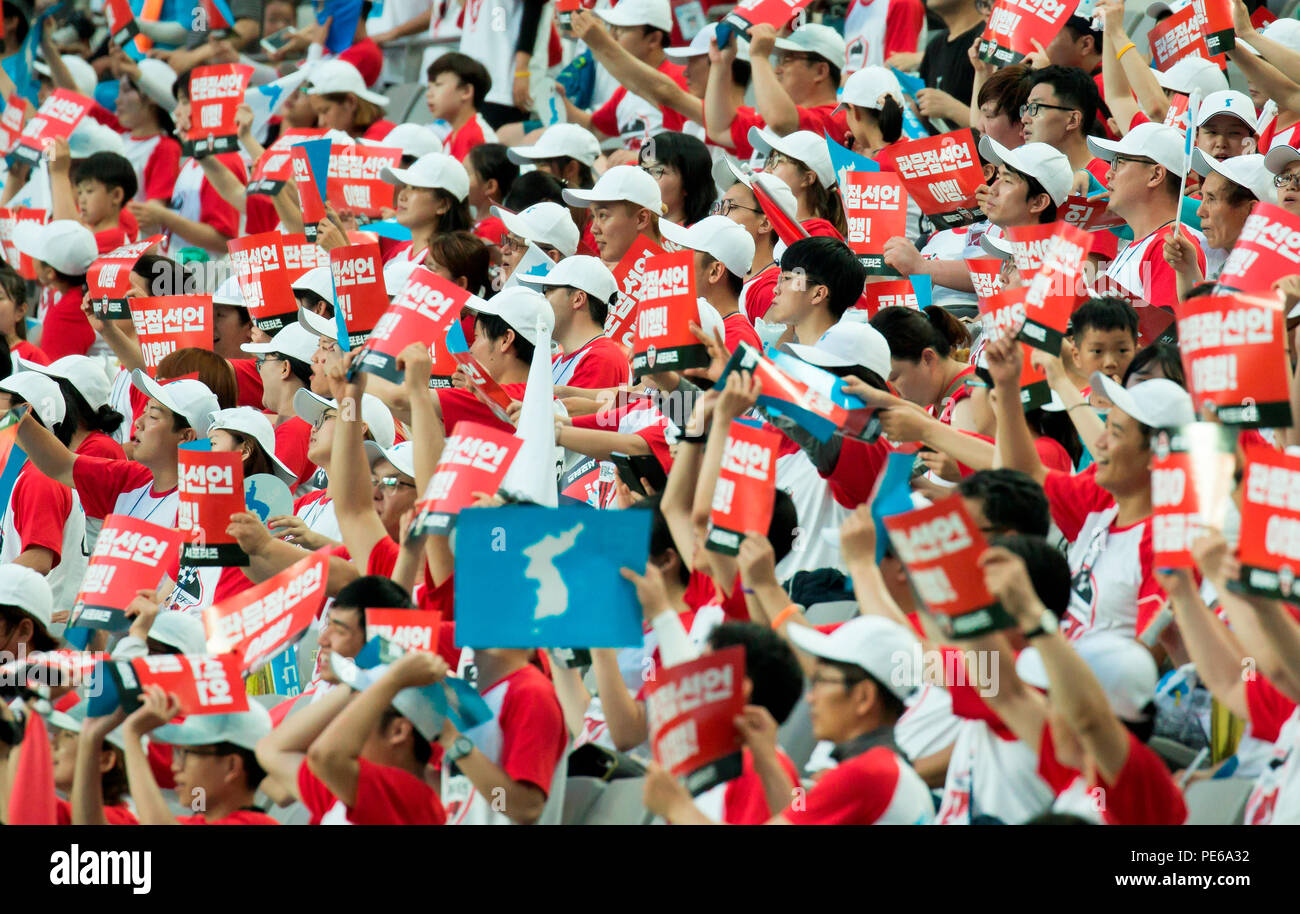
580, 289
803, 161
625, 203
284, 365
724, 252
143, 111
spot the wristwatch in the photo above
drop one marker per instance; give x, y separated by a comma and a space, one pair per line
1047, 622
459, 749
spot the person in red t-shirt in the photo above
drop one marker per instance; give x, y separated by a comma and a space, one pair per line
580, 289
63, 250
13, 316
353, 758
343, 102
213, 757
739, 204
97, 789
95, 191
284, 367
232, 328
724, 252
143, 110
458, 84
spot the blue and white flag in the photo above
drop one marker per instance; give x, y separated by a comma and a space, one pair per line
844, 160
913, 129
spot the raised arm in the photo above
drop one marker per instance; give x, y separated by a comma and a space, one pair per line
49, 454
679, 492
349, 472
1084, 418
1014, 439
156, 708
1212, 646
282, 751
1119, 91
719, 109
637, 75
770, 98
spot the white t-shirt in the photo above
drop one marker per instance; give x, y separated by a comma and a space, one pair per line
816, 510
990, 776
138, 153
187, 202
864, 34
489, 33
928, 725
74, 553
1276, 797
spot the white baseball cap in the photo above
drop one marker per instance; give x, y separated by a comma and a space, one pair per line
718, 236
802, 146
413, 139
1248, 171
321, 326
228, 293
559, 141
310, 407
188, 398
997, 245
775, 187
1191, 74
656, 13
253, 424
329, 77
1158, 403
90, 137
1284, 31
542, 223
28, 590
1279, 157
244, 729
846, 345
293, 340
41, 392
1124, 668
878, 645
181, 631
435, 170
85, 374
581, 271
82, 73
318, 280
400, 455
822, 40
866, 87
1046, 164
621, 183
1236, 104
521, 308
1159, 143
64, 244
157, 82
699, 46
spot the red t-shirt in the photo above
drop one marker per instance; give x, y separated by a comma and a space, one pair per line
238, 817
249, 380
113, 238
1144, 793
736, 329
385, 796
652, 432
162, 169
40, 511
113, 815
853, 477
458, 405
97, 444
596, 365
701, 591
605, 119
758, 293
292, 438
26, 350
858, 791
532, 728
469, 135
64, 329
366, 56
825, 118
744, 802
378, 130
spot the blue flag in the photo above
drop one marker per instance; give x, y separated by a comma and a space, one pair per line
318, 156
388, 228
913, 129
844, 159
548, 577
893, 495
345, 14
923, 286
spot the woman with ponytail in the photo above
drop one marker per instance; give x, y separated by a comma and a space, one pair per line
874, 101
929, 364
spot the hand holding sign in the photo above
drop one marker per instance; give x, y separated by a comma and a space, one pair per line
1007, 579
157, 708
649, 590
418, 668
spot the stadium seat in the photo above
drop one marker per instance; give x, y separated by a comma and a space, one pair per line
401, 99
580, 796
620, 803
1217, 801
796, 736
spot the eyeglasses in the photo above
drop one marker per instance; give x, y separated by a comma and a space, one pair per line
322, 419
390, 482
1115, 163
263, 359
823, 679
775, 158
513, 243
1031, 109
1291, 180
786, 57
179, 753
655, 171
724, 208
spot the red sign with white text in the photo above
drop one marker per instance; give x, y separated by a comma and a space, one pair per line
942, 174
12, 222
776, 13
1191, 481
109, 279
11, 123
122, 26
485, 387
875, 208
301, 255
410, 629
264, 282
1214, 18
274, 167
1014, 26
210, 488
746, 491
130, 555
203, 685
620, 323
986, 275
666, 307
1270, 524
359, 292
216, 92
354, 183
1179, 36
1089, 215
54, 120
474, 459
1056, 288
888, 293
1267, 248
421, 313
1001, 313
166, 323
257, 623
691, 710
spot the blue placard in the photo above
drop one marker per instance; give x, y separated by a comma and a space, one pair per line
844, 159
343, 29
388, 228
284, 672
913, 129
893, 495
923, 286
9, 475
528, 576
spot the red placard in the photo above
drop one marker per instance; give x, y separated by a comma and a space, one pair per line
1014, 26
203, 685
888, 293
691, 709
122, 26
257, 623
564, 10
986, 274
216, 20
620, 322
11, 123
1262, 17
875, 207
165, 323
410, 629
784, 222
1234, 357
130, 555
1056, 288
1180, 36
216, 92
1268, 247
942, 174
1154, 324
313, 207
1191, 481
940, 546
1028, 246
275, 166
1270, 524
1001, 313
590, 482
474, 459
1176, 114
421, 313
109, 279
776, 13
1214, 18
301, 255
484, 385
746, 489
354, 183
55, 119
1089, 215
24, 219
210, 488
359, 292
666, 307
264, 281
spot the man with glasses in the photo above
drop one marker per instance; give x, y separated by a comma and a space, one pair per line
580, 290
1061, 111
285, 368
1144, 180
1284, 163
547, 225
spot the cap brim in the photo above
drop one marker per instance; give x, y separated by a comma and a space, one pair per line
1119, 397
1279, 157
685, 53
321, 326
1106, 150
524, 155
374, 451
584, 198
308, 406
818, 644
815, 356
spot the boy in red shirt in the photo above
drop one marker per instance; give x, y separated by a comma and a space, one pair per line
458, 84
95, 191
64, 250
581, 289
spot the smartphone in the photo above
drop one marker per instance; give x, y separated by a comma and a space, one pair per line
642, 466
276, 40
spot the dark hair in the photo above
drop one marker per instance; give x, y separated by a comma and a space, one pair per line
492, 163
463, 254
1049, 570
63, 430
298, 368
785, 521
890, 119
368, 113
1163, 353
690, 158
12, 11
1012, 500
162, 275
16, 288
467, 69
372, 591
111, 170
1009, 87
1105, 312
734, 282
41, 639
661, 535
1034, 187
825, 202
742, 74
1236, 194
105, 419
598, 310
457, 217
892, 705
258, 461
113, 782
420, 747
1056, 424
829, 262
534, 187
69, 279
214, 371
909, 333
1075, 89
770, 664
253, 771
495, 327
1081, 27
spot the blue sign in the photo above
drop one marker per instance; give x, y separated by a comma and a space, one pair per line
893, 495
548, 577
20, 66
923, 286
844, 159
343, 29
913, 129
